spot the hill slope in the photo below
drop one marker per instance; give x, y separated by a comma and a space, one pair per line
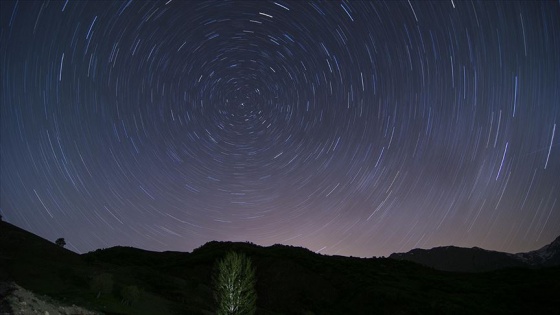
548, 255
451, 258
290, 280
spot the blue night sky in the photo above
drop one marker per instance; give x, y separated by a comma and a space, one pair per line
347, 127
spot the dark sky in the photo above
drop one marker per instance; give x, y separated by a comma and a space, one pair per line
350, 128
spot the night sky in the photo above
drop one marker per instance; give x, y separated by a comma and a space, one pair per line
350, 128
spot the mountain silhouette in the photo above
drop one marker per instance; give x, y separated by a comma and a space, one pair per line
451, 258
290, 280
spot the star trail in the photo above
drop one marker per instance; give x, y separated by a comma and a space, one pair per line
347, 127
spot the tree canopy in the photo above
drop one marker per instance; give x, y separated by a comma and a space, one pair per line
234, 285
60, 242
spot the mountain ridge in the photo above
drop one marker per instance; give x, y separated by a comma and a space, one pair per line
476, 259
290, 280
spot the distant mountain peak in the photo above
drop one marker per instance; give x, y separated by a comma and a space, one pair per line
556, 242
546, 256
475, 259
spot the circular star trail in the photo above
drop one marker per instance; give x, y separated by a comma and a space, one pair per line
351, 128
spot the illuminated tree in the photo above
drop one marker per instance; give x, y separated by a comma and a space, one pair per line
234, 285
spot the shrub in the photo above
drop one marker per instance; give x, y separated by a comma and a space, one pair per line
102, 284
130, 294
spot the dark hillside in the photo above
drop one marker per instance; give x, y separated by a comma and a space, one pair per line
31, 259
290, 280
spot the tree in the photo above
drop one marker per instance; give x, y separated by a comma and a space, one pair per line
234, 285
102, 284
60, 242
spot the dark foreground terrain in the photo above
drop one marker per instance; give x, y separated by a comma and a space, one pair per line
290, 280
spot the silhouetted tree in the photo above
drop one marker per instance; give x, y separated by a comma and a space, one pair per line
60, 242
234, 285
102, 284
